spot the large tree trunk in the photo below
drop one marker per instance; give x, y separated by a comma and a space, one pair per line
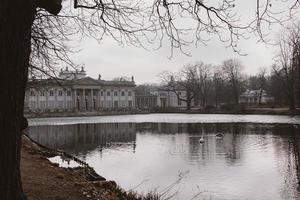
16, 18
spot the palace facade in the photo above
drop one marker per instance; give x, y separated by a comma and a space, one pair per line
74, 91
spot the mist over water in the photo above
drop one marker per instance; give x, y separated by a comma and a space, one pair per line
236, 160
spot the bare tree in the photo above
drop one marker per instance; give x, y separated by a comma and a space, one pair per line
294, 37
262, 82
203, 76
218, 82
232, 70
183, 81
285, 69
287, 66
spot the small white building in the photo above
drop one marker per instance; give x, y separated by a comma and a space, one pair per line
252, 97
74, 91
167, 99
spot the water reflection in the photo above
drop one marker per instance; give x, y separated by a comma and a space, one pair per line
83, 138
248, 161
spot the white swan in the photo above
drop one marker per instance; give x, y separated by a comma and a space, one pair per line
201, 140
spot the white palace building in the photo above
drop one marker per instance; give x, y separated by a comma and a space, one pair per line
73, 91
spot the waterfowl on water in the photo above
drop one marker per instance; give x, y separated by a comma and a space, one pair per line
295, 126
201, 140
219, 135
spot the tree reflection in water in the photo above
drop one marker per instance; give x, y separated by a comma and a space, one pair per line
239, 143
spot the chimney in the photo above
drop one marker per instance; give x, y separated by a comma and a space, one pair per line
99, 77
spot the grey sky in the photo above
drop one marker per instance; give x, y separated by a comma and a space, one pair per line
111, 60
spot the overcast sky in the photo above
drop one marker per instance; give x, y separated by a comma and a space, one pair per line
112, 60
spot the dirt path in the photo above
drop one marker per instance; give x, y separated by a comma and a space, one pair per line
45, 181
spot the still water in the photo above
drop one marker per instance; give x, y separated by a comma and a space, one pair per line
258, 161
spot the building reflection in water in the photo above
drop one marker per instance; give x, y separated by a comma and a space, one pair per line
83, 138
238, 143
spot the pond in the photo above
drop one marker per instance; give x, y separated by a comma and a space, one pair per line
241, 157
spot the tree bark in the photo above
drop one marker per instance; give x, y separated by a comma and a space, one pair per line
16, 18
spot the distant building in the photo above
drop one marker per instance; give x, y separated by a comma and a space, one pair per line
146, 102
252, 97
169, 99
74, 91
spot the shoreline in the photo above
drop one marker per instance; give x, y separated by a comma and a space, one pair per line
45, 180
247, 111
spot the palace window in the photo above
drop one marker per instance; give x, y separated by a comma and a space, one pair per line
129, 93
60, 93
129, 103
68, 93
86, 104
115, 93
101, 93
42, 93
51, 93
116, 104
94, 103
33, 105
69, 104
123, 93
43, 104
60, 104
32, 93
108, 104
108, 93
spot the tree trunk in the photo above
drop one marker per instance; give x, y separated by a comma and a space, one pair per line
260, 95
235, 95
15, 24
291, 91
188, 102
